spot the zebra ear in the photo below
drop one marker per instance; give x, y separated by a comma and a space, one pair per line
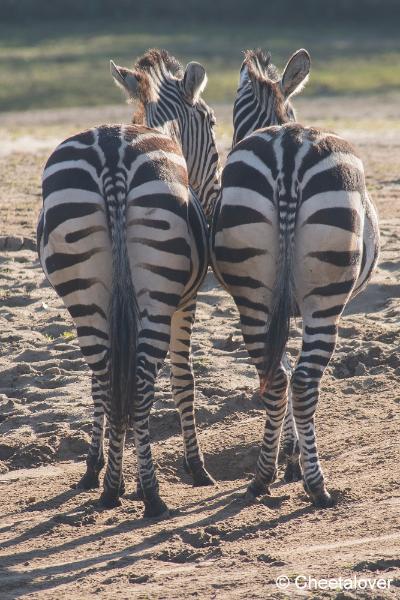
125, 79
244, 74
194, 81
296, 73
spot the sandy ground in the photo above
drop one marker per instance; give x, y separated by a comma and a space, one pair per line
56, 542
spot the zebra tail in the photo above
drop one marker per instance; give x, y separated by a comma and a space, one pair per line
278, 326
123, 317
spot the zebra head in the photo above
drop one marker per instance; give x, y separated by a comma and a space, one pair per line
262, 98
169, 99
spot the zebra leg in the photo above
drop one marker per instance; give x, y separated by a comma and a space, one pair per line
290, 443
275, 401
254, 313
95, 458
113, 480
148, 489
305, 386
183, 389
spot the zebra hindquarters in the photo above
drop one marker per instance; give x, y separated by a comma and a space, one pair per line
327, 250
245, 248
75, 253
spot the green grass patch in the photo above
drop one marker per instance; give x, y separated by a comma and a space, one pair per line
68, 335
56, 65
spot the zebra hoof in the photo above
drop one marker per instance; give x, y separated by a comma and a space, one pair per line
155, 508
249, 498
89, 481
122, 489
323, 500
202, 478
110, 500
256, 489
292, 472
196, 469
319, 496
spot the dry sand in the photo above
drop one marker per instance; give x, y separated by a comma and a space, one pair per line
57, 542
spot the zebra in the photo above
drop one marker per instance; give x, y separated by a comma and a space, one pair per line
294, 233
123, 239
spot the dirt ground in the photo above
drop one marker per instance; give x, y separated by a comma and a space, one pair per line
56, 542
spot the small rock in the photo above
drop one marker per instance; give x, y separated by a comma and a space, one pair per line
230, 343
266, 558
3, 468
348, 332
348, 390
138, 578
52, 371
360, 370
72, 365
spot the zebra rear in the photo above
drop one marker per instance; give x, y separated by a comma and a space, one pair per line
123, 239
115, 243
294, 231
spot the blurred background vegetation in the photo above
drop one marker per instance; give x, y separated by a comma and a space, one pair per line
55, 53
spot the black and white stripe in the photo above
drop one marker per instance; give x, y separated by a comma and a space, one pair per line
123, 240
294, 232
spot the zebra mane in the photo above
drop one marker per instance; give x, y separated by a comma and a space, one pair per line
259, 65
152, 70
155, 59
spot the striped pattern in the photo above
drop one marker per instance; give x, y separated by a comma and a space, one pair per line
294, 233
123, 240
